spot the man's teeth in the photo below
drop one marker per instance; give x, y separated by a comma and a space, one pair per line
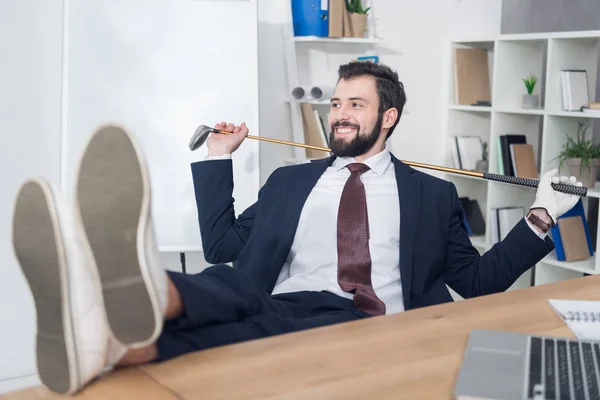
345, 130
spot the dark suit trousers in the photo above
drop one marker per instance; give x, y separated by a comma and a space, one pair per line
222, 306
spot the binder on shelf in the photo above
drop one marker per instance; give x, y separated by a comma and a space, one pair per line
499, 155
472, 79
473, 218
505, 142
523, 161
572, 235
337, 8
310, 17
574, 241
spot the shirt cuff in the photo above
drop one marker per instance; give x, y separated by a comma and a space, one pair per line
540, 235
223, 157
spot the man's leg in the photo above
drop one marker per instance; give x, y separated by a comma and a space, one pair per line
318, 309
221, 306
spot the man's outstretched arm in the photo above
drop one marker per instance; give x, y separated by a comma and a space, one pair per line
470, 274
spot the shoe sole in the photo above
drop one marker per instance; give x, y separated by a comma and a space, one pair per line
113, 203
39, 248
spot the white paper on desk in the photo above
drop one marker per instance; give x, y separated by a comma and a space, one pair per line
582, 317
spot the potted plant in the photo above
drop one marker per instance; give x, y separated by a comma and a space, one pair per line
482, 165
530, 100
581, 157
358, 17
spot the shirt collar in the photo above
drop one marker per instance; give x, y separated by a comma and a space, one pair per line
378, 163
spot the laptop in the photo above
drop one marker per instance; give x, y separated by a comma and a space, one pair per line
510, 365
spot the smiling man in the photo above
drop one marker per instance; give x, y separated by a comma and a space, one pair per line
355, 235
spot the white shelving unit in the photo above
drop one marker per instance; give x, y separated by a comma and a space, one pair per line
313, 60
511, 58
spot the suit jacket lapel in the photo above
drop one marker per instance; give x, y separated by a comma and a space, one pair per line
409, 193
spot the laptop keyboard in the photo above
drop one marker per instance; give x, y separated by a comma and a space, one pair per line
565, 369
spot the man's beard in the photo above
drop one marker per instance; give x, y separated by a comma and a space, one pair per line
359, 145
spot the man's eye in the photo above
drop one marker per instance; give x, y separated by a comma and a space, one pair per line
334, 105
355, 105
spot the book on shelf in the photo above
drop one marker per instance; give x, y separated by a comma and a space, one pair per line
523, 161
471, 78
473, 221
574, 89
505, 163
582, 317
592, 219
571, 235
310, 17
337, 8
594, 106
314, 132
466, 151
503, 220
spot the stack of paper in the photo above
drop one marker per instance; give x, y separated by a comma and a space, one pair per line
582, 317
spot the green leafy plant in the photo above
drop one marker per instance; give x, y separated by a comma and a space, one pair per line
355, 6
581, 148
530, 83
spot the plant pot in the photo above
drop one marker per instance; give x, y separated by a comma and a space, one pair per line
587, 176
481, 166
358, 25
531, 101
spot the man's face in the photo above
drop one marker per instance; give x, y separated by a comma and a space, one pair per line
353, 118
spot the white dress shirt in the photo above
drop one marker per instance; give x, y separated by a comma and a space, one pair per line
312, 262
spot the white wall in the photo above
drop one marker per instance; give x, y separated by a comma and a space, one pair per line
274, 112
414, 34
418, 30
30, 109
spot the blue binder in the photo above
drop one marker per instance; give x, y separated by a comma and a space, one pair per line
577, 210
310, 17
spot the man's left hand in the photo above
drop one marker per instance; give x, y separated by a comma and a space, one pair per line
555, 203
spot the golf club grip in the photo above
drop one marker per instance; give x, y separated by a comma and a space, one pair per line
559, 187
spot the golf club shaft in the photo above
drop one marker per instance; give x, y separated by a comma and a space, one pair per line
559, 187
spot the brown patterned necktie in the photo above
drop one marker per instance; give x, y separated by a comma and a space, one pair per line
354, 258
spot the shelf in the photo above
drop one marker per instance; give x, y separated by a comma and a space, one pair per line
349, 40
585, 266
470, 108
575, 114
522, 111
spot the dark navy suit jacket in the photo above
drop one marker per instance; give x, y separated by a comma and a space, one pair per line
434, 248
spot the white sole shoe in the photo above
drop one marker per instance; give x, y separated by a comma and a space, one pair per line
112, 201
39, 248
72, 342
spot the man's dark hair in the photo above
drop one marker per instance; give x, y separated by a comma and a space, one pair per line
389, 88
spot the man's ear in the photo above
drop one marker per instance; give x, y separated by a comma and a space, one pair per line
389, 117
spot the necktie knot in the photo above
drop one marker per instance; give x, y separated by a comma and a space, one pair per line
358, 167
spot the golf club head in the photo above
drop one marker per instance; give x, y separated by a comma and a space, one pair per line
200, 136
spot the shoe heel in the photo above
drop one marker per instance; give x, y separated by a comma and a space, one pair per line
39, 249
113, 201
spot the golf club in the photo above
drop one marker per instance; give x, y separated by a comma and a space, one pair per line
203, 131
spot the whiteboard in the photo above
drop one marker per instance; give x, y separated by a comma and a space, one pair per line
160, 68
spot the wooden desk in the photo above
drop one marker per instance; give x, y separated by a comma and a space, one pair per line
412, 355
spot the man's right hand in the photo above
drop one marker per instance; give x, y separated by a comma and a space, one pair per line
220, 144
